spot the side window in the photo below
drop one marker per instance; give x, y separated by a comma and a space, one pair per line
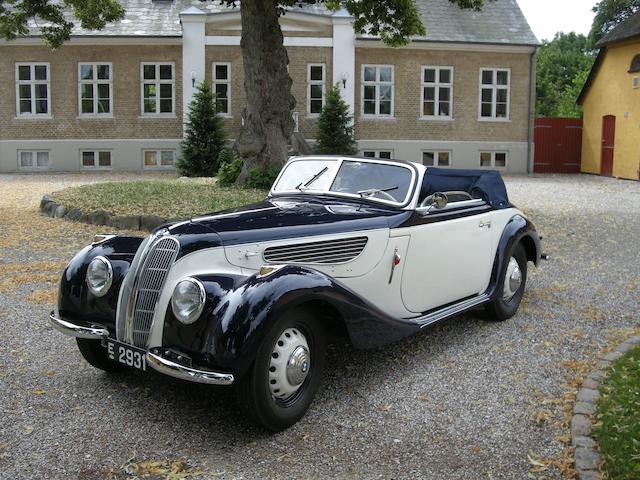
432, 158
493, 159
315, 88
33, 96
34, 160
157, 159
95, 159
222, 87
385, 154
157, 84
377, 90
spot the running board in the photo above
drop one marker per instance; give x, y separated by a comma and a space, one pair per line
451, 310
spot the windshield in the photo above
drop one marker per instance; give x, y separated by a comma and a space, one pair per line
375, 180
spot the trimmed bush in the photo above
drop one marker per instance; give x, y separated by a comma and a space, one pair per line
335, 127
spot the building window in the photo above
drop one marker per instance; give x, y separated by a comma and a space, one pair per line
434, 158
158, 158
94, 88
385, 154
32, 89
222, 87
493, 159
158, 88
34, 160
635, 64
437, 92
95, 159
377, 90
495, 87
315, 87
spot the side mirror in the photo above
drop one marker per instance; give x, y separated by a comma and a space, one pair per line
440, 200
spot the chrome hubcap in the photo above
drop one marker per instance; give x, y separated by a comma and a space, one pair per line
290, 363
512, 280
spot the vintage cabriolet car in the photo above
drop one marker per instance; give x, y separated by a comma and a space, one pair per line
374, 250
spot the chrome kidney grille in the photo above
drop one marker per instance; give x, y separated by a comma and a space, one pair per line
147, 287
329, 251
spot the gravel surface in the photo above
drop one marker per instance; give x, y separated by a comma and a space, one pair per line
468, 399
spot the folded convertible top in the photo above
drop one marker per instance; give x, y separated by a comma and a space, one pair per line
486, 184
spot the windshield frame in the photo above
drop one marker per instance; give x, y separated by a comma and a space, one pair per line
339, 161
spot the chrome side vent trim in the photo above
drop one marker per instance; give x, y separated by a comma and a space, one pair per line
147, 287
329, 251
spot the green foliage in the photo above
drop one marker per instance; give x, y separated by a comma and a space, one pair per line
93, 15
335, 131
563, 65
204, 136
609, 13
262, 179
617, 428
230, 168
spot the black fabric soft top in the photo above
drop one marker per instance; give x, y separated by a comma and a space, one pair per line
486, 184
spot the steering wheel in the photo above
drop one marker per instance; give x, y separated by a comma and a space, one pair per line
428, 200
387, 195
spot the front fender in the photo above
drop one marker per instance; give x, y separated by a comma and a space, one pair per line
74, 299
242, 310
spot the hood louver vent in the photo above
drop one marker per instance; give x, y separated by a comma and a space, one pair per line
330, 251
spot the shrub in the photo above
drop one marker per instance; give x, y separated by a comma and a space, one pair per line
230, 167
204, 136
335, 128
262, 179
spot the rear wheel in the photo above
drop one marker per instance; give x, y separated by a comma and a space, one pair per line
511, 286
96, 355
281, 384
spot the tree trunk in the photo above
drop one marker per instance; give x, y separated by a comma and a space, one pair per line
267, 115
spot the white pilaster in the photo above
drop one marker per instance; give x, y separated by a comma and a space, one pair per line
193, 41
344, 56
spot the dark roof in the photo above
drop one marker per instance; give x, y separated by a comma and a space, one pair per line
627, 29
499, 22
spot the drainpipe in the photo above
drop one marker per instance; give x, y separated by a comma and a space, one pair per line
532, 102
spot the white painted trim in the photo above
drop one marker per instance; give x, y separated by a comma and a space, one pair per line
32, 82
159, 166
437, 86
310, 82
223, 17
436, 153
493, 159
89, 140
158, 81
94, 82
105, 40
234, 40
34, 157
453, 46
494, 99
377, 83
227, 82
96, 159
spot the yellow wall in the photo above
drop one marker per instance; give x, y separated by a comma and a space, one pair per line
611, 93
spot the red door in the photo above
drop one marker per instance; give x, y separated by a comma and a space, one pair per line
608, 140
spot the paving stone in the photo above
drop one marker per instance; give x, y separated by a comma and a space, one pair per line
585, 408
612, 356
586, 458
45, 199
582, 441
126, 223
590, 383
633, 340
580, 425
603, 364
97, 217
597, 375
587, 395
60, 211
74, 214
588, 475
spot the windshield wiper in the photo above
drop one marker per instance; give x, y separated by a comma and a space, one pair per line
373, 191
313, 179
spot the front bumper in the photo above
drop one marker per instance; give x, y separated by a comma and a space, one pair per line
157, 362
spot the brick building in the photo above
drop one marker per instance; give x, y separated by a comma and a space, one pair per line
461, 96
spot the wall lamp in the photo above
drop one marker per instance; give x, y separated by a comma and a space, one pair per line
344, 76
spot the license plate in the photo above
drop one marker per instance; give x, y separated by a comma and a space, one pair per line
128, 355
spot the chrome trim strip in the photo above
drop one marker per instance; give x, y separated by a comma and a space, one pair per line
92, 332
176, 370
451, 310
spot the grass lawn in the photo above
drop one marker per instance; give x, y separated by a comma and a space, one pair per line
618, 419
173, 198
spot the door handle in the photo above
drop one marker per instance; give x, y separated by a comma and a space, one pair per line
484, 224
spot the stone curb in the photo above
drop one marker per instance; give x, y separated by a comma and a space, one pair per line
101, 217
586, 455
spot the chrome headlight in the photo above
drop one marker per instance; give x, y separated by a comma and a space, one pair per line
99, 276
188, 300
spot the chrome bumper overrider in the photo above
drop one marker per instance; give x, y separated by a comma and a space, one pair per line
176, 370
161, 364
86, 330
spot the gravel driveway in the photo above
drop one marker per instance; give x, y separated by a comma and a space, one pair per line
468, 399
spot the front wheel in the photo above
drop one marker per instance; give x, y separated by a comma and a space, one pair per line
96, 355
510, 287
279, 387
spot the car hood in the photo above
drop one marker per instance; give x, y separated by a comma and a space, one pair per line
281, 218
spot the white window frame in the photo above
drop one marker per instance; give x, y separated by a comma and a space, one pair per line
215, 81
436, 154
377, 84
494, 87
436, 85
493, 158
32, 82
34, 154
158, 82
158, 152
311, 82
377, 152
96, 158
94, 82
